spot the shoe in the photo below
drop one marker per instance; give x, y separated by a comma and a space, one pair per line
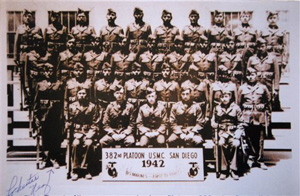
88, 176
263, 166
234, 176
74, 177
55, 164
271, 136
223, 177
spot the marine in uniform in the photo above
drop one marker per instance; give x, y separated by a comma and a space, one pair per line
111, 34
166, 33
193, 33
48, 116
56, 33
217, 33
245, 37
82, 119
118, 121
175, 57
254, 99
232, 60
228, 120
186, 120
82, 32
151, 121
137, 32
28, 38
268, 70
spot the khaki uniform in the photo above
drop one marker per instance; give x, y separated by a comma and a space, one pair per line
216, 36
137, 35
193, 34
118, 119
94, 62
234, 63
166, 35
111, 37
83, 36
152, 119
57, 37
207, 63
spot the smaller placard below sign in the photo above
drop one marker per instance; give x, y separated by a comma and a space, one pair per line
152, 164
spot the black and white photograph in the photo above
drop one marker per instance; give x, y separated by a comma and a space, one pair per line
149, 97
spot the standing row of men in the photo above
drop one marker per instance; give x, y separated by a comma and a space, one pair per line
158, 89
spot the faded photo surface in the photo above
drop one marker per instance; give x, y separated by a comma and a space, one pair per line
149, 98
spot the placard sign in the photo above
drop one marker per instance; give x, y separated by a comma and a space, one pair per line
152, 164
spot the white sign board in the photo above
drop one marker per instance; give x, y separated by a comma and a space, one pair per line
152, 164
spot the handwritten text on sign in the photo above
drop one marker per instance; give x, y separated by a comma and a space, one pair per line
152, 164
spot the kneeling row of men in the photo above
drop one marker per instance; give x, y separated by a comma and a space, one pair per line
182, 125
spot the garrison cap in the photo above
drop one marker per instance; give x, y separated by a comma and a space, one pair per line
80, 11
119, 88
251, 70
165, 12
194, 12
106, 65
54, 13
260, 41
136, 66
216, 13
111, 11
26, 12
150, 91
165, 66
270, 13
137, 10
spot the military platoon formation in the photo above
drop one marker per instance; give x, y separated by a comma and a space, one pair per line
144, 89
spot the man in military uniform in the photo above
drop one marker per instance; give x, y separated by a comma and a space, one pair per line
137, 32
254, 99
277, 44
227, 119
118, 121
217, 33
175, 57
232, 60
82, 118
193, 33
186, 121
28, 38
135, 88
67, 58
48, 116
82, 32
56, 33
268, 70
166, 33
151, 121
111, 35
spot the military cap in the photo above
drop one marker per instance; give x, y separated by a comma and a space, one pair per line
137, 10
48, 66
216, 13
270, 13
260, 41
226, 91
150, 91
185, 87
251, 70
78, 65
26, 12
178, 39
194, 12
136, 66
111, 11
70, 37
119, 88
228, 39
165, 12
106, 65
165, 66
245, 13
193, 68
80, 88
222, 70
80, 11
54, 14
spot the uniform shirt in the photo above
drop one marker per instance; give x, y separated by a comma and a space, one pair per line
152, 117
193, 34
111, 34
199, 91
244, 35
186, 116
25, 40
167, 91
136, 32
122, 62
94, 60
228, 120
136, 89
66, 59
176, 60
205, 62
151, 62
274, 37
83, 34
254, 100
231, 61
104, 90
52, 34
32, 65
216, 34
72, 88
118, 117
165, 35
268, 69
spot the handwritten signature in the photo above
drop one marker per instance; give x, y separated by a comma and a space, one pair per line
32, 184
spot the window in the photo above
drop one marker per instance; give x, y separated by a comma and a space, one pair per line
68, 19
14, 20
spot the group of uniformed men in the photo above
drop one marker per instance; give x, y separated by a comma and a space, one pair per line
143, 89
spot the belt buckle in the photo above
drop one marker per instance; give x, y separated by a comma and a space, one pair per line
77, 126
185, 125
